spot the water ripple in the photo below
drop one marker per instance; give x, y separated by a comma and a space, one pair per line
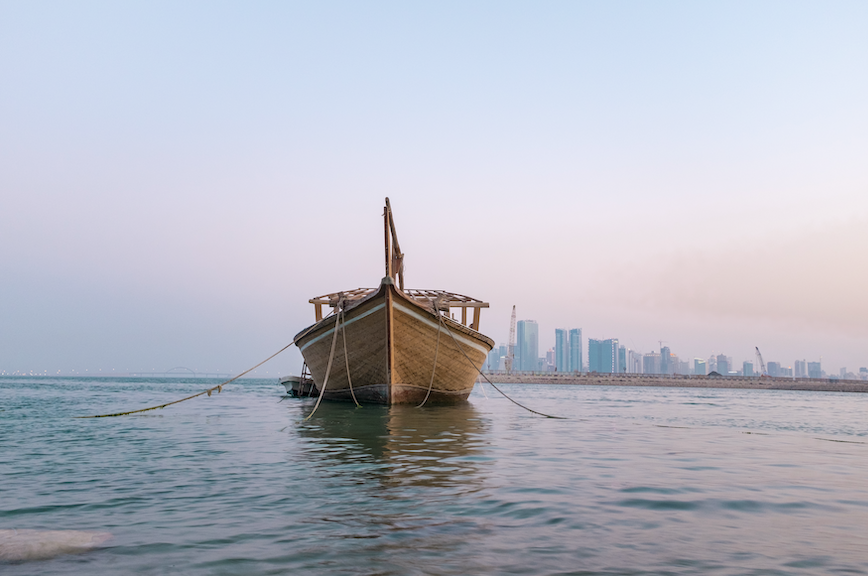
639, 481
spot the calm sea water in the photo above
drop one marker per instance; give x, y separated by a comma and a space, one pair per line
636, 481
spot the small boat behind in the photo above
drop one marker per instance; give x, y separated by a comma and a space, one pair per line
298, 386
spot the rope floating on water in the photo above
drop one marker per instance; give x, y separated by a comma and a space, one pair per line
218, 388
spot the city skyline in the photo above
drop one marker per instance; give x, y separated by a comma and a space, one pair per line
609, 356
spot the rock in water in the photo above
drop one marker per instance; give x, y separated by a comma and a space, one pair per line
23, 545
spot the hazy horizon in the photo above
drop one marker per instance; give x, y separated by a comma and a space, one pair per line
179, 179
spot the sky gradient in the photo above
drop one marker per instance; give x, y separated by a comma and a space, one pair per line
178, 179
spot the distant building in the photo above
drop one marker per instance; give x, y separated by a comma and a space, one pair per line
863, 373
519, 335
665, 360
493, 360
603, 355
800, 369
722, 365
634, 362
497, 358
699, 367
815, 370
550, 363
576, 350
622, 359
527, 345
747, 369
562, 350
774, 368
651, 363
595, 354
676, 366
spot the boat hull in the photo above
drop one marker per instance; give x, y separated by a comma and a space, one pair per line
391, 342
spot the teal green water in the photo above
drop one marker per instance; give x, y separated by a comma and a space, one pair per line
636, 481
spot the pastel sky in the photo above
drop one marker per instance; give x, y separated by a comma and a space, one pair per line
177, 179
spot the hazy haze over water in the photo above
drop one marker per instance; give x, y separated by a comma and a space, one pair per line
176, 180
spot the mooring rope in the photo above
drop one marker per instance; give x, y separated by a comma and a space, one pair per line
347, 357
486, 377
436, 350
338, 316
218, 387
331, 358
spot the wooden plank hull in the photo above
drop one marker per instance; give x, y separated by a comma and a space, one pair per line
390, 348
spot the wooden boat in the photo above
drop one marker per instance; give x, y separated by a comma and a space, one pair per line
388, 345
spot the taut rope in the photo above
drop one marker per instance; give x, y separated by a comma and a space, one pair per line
486, 377
219, 389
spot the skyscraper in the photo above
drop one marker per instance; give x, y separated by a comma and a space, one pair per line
801, 369
651, 363
747, 369
603, 355
665, 360
594, 353
699, 367
576, 350
774, 368
493, 360
634, 362
722, 365
527, 345
815, 370
562, 350
622, 359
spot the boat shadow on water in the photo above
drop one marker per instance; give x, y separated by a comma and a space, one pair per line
399, 445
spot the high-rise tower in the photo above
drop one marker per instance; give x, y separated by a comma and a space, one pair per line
562, 350
527, 345
576, 350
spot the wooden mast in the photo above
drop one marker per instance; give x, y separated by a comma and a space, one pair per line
389, 282
397, 256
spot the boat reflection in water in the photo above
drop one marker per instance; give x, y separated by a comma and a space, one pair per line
381, 484
398, 445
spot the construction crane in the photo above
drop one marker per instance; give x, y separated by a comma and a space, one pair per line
759, 361
510, 351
